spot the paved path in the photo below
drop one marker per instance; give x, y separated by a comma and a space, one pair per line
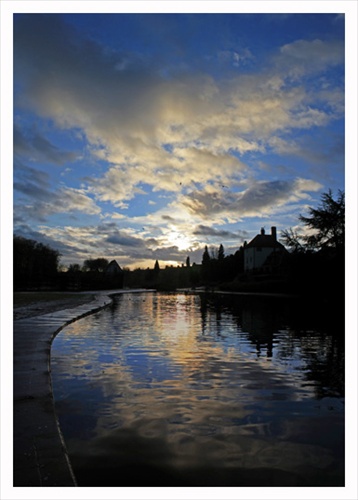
40, 456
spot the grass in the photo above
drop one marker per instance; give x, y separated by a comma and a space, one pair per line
27, 298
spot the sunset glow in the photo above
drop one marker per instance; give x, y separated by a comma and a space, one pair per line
144, 137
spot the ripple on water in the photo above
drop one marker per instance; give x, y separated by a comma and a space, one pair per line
175, 383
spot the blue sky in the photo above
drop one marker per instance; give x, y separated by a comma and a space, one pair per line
148, 136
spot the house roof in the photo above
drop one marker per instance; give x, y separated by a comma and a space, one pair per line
264, 241
113, 267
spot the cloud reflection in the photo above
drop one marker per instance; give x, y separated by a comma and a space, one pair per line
173, 382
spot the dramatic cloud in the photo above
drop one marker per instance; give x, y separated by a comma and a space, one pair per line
210, 231
31, 182
133, 111
126, 241
260, 198
169, 130
109, 241
40, 200
36, 148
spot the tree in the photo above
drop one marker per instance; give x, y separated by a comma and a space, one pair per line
206, 265
292, 239
188, 261
316, 264
221, 253
328, 222
156, 267
95, 265
34, 262
74, 268
206, 256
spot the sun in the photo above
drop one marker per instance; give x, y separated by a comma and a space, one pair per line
180, 240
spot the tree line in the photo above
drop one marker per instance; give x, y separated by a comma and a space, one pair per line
315, 262
217, 267
97, 265
35, 264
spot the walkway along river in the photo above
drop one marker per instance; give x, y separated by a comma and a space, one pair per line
40, 455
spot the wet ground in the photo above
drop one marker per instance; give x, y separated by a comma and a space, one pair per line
29, 307
40, 456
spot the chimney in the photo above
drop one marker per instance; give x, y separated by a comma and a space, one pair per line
273, 232
262, 230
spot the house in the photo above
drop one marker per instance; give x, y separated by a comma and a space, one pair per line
113, 268
114, 275
264, 252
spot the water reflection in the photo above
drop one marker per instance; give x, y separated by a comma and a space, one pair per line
186, 389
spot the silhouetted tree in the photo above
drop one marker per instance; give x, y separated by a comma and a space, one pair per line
206, 256
328, 222
316, 265
221, 253
294, 240
95, 265
74, 268
213, 253
156, 267
34, 262
205, 264
239, 259
188, 261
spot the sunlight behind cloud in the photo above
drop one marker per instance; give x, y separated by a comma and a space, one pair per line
181, 241
224, 132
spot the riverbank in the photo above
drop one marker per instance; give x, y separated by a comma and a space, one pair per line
30, 304
40, 456
39, 452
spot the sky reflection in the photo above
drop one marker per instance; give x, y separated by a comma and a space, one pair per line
167, 381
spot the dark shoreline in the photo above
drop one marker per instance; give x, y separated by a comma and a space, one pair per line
40, 456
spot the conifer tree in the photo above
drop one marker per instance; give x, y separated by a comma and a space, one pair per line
221, 253
206, 256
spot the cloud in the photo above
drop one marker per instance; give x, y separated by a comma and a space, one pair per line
203, 230
50, 152
40, 201
123, 240
164, 130
235, 58
107, 240
258, 199
66, 248
309, 57
323, 149
36, 148
339, 18
189, 139
71, 199
31, 182
183, 234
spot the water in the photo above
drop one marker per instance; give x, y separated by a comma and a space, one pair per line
203, 390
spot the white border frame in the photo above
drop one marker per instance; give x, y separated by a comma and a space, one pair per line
8, 8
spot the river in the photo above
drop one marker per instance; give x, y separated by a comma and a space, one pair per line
194, 389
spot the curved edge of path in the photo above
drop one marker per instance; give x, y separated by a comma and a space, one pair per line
40, 457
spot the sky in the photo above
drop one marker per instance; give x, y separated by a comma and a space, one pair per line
144, 137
